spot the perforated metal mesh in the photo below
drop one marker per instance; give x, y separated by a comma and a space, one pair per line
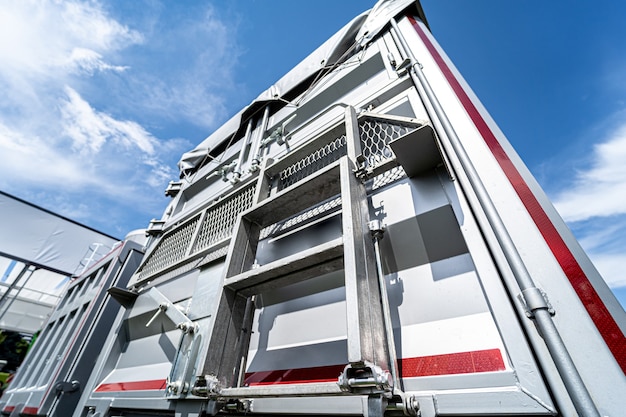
220, 219
387, 177
376, 133
171, 248
313, 162
217, 225
317, 211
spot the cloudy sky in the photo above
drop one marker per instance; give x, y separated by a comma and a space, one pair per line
100, 99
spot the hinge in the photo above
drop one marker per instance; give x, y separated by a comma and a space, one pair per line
365, 379
206, 386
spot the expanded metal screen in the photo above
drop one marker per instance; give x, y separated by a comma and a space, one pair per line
376, 133
313, 162
220, 219
217, 225
171, 248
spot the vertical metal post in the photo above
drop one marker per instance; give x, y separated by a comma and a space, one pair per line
242, 152
12, 287
256, 148
571, 378
364, 315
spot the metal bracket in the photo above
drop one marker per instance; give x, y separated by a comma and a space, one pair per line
376, 229
362, 172
66, 387
173, 188
206, 386
155, 228
535, 299
176, 387
183, 322
365, 379
225, 170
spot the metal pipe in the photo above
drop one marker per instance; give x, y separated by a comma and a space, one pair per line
242, 152
569, 374
12, 300
256, 148
11, 287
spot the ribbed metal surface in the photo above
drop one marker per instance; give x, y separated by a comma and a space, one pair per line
217, 226
171, 248
313, 162
220, 219
376, 134
315, 212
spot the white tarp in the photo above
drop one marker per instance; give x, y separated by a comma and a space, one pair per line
379, 16
360, 31
38, 237
326, 55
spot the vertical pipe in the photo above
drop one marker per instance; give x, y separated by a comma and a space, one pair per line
569, 374
242, 152
256, 148
13, 285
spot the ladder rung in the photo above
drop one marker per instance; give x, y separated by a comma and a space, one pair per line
321, 388
300, 196
311, 262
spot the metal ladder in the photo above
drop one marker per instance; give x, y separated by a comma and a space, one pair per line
367, 370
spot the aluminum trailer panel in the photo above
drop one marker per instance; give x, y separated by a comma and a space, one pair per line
361, 240
54, 373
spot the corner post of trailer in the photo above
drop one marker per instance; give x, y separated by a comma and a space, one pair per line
571, 378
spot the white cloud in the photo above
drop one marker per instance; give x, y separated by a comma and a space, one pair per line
594, 205
89, 62
39, 38
65, 141
611, 267
600, 190
90, 129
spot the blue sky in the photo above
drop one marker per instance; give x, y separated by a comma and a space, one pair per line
100, 99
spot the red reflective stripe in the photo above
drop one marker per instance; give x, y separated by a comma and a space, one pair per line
30, 410
452, 363
156, 384
294, 376
8, 409
596, 309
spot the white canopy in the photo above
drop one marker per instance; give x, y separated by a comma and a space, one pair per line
39, 251
39, 237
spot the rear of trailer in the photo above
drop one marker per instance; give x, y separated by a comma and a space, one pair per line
361, 240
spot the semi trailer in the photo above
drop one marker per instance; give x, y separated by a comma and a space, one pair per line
361, 239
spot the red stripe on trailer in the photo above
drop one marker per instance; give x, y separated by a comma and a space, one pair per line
155, 384
489, 360
605, 323
294, 376
8, 409
30, 410
452, 363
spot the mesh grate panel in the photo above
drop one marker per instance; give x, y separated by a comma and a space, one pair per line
313, 162
319, 210
220, 219
170, 249
376, 134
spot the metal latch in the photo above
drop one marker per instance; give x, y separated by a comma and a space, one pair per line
362, 171
64, 386
365, 379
